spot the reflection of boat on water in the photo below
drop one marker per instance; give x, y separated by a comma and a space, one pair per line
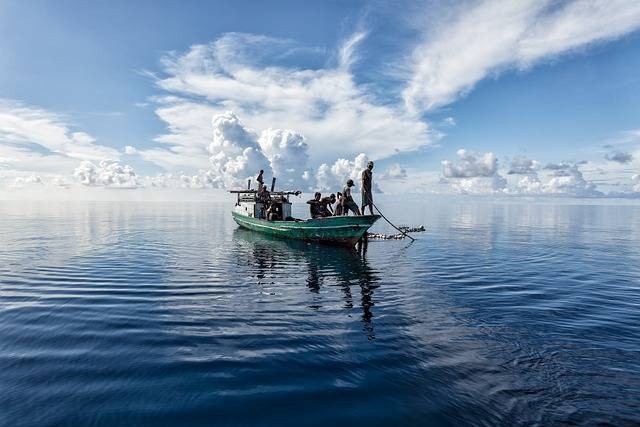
341, 267
339, 230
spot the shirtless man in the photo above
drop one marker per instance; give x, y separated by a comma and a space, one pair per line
327, 204
338, 210
315, 207
348, 204
367, 194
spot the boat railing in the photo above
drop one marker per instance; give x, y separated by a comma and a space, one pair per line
273, 193
250, 195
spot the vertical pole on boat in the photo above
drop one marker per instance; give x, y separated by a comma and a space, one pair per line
273, 183
249, 184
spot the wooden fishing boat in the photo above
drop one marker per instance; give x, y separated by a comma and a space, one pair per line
250, 213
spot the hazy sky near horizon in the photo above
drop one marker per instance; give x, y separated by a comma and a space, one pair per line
473, 97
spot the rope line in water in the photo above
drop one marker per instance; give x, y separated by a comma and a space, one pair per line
385, 218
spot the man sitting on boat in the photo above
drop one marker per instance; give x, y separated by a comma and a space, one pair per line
338, 209
348, 204
274, 213
318, 206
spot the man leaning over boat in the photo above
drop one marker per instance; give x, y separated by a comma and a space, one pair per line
320, 207
348, 204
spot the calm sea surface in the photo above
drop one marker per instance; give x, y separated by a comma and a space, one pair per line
168, 314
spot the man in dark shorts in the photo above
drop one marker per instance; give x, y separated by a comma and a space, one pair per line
348, 204
367, 194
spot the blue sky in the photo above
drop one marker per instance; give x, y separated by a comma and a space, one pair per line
313, 89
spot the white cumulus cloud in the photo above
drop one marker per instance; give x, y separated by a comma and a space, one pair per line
130, 150
474, 173
636, 183
521, 165
286, 151
333, 177
479, 185
394, 171
567, 179
110, 174
470, 165
235, 154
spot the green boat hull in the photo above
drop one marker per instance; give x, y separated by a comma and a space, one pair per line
337, 230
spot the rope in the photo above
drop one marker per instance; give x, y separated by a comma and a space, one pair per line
385, 218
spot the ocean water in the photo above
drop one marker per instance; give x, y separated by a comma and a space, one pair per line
502, 313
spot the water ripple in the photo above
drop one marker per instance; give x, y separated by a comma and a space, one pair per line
145, 314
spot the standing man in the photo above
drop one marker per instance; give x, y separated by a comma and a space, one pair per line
260, 179
264, 197
367, 195
348, 204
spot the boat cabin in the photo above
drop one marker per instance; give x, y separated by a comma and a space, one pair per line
248, 204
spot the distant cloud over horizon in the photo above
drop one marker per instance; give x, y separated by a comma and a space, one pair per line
619, 156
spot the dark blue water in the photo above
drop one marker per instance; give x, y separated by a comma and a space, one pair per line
167, 314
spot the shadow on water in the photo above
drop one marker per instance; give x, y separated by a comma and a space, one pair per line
324, 265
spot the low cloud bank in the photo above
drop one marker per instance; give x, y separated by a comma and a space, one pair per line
621, 157
636, 183
479, 174
473, 174
106, 173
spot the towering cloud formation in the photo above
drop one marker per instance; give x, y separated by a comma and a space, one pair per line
287, 154
235, 153
238, 153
